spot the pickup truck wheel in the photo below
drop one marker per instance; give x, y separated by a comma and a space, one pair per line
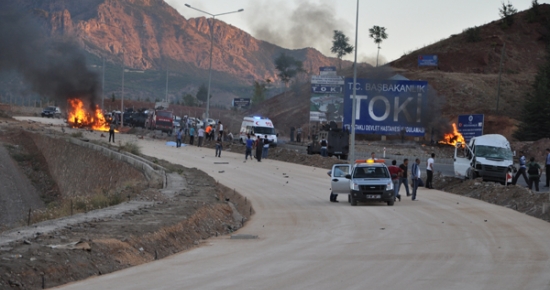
390, 203
353, 201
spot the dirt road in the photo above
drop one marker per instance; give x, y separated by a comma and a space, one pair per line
443, 241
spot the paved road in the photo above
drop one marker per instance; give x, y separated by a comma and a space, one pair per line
443, 241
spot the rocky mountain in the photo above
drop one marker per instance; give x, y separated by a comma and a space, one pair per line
149, 35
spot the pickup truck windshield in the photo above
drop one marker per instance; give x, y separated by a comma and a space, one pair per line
371, 172
491, 152
264, 130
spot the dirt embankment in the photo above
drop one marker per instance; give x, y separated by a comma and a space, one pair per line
199, 209
516, 197
204, 209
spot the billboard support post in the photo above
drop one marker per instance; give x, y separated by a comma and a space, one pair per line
352, 142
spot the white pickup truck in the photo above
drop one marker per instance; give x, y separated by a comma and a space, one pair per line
489, 157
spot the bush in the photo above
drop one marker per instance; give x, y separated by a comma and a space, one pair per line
77, 135
472, 34
131, 147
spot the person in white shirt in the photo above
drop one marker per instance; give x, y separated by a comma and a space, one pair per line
201, 137
220, 128
430, 172
415, 177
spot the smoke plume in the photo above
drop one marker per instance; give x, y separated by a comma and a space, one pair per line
53, 68
308, 25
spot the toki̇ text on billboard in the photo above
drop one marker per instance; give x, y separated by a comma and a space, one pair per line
386, 107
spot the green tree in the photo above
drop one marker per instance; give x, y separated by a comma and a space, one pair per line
506, 13
534, 119
533, 13
288, 67
202, 93
189, 100
258, 92
340, 45
378, 34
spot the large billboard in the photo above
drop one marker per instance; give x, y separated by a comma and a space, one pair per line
470, 126
386, 107
327, 99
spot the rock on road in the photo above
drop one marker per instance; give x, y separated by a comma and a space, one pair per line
443, 241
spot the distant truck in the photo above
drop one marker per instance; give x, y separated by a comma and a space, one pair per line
258, 127
160, 120
489, 157
338, 141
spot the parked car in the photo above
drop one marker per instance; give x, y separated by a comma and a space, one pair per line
51, 112
196, 122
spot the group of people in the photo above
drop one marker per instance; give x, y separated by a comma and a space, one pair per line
201, 133
532, 171
400, 175
260, 145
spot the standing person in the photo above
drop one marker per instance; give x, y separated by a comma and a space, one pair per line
259, 146
396, 174
373, 156
415, 177
404, 179
220, 128
178, 138
547, 167
208, 132
266, 147
324, 144
521, 170
112, 131
191, 135
430, 171
249, 145
201, 137
299, 135
534, 172
219, 146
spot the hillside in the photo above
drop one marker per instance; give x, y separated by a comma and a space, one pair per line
151, 36
466, 80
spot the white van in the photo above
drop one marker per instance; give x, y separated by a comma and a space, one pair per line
489, 157
257, 126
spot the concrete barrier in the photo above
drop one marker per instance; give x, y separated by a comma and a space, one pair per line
155, 174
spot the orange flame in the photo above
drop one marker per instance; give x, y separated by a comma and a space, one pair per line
80, 117
453, 138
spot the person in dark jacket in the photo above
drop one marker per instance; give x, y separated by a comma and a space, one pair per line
112, 132
522, 169
259, 147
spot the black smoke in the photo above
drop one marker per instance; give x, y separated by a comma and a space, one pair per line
52, 66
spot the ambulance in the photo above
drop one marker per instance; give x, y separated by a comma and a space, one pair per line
258, 126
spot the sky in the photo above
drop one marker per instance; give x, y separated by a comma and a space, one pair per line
296, 24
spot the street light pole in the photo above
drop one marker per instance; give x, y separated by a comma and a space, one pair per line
211, 50
354, 99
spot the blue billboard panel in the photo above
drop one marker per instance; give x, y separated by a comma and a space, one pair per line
327, 71
470, 126
428, 60
241, 102
386, 107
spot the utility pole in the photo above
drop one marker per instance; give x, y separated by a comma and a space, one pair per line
166, 96
354, 99
103, 86
500, 72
